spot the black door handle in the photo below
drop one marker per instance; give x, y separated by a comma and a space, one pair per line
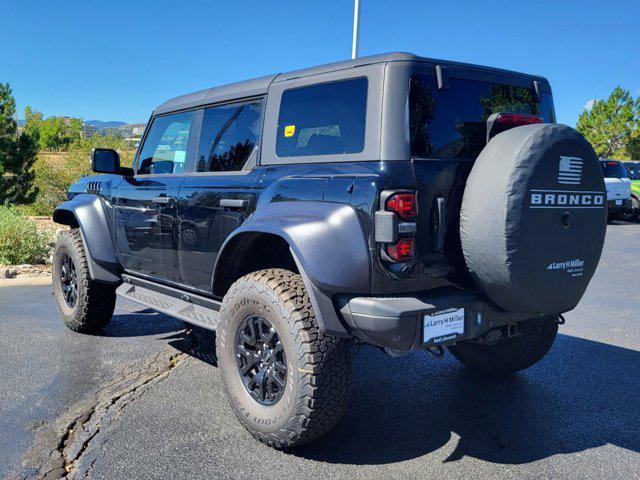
234, 203
164, 200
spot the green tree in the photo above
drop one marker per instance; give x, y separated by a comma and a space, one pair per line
52, 133
32, 122
612, 126
17, 155
8, 125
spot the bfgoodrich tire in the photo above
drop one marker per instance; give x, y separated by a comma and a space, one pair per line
84, 305
512, 354
287, 382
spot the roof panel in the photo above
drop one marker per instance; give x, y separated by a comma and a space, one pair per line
259, 86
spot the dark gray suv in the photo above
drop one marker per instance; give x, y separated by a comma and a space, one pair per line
393, 200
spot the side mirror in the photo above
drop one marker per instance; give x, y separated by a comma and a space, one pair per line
107, 160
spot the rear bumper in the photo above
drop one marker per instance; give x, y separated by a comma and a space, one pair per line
398, 322
624, 206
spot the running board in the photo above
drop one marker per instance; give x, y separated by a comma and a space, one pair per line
191, 308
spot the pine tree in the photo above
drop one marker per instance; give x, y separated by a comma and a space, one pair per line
18, 154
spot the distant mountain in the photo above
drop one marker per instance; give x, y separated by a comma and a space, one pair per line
99, 124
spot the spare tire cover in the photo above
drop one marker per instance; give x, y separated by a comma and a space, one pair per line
533, 218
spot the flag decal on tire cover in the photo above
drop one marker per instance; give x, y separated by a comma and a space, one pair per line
570, 170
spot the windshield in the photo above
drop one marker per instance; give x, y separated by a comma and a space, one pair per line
613, 169
451, 123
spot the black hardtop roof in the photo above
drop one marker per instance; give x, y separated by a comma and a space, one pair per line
259, 86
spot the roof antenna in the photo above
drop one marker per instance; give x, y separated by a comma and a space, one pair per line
356, 29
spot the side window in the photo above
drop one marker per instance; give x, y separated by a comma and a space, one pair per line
324, 119
165, 148
230, 134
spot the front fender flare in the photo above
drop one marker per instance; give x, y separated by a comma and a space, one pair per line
87, 212
328, 244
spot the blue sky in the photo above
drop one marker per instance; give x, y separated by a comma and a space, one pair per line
117, 60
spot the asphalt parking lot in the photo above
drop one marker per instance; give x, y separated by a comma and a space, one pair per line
140, 401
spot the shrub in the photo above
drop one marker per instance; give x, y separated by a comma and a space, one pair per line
56, 171
20, 240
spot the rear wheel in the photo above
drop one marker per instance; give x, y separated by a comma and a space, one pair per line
287, 382
535, 338
84, 305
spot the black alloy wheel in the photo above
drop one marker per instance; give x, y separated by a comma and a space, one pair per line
261, 360
68, 281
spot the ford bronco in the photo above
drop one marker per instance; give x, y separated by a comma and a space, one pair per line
393, 200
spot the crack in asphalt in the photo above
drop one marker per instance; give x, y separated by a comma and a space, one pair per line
61, 447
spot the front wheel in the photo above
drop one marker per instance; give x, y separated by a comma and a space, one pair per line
84, 305
287, 382
535, 338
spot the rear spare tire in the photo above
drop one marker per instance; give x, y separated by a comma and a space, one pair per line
533, 218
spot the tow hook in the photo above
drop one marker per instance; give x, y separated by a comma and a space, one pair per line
512, 330
437, 352
560, 320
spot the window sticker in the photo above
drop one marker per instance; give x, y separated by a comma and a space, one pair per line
180, 156
289, 130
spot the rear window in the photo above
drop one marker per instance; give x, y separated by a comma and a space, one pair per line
324, 119
451, 123
613, 170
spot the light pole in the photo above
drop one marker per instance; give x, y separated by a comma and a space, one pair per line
356, 29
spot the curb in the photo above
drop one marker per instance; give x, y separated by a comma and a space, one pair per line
25, 281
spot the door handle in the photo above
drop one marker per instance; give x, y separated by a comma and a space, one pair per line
234, 203
163, 200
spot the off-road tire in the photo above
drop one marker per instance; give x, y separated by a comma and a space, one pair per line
319, 366
509, 355
95, 301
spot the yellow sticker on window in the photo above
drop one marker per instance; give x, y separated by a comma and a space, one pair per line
289, 130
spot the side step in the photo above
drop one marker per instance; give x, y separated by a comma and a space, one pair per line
191, 308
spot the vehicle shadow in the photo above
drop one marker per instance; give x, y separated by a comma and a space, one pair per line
585, 394
198, 343
140, 323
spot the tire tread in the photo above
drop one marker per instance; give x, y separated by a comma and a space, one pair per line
324, 362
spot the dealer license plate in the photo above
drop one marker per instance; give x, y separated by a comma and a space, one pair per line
443, 326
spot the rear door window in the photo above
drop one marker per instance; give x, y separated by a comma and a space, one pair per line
323, 119
451, 123
165, 147
229, 135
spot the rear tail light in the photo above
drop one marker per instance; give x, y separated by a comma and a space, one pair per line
395, 225
403, 204
517, 119
404, 250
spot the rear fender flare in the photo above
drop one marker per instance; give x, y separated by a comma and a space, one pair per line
328, 245
87, 213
